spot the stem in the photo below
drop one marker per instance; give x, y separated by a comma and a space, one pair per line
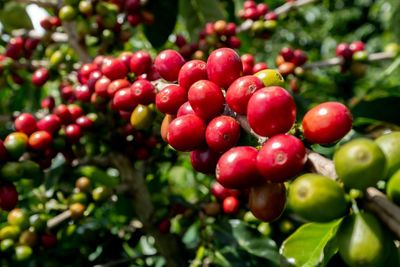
73, 39
60, 218
167, 244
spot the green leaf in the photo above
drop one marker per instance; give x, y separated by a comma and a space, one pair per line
383, 109
165, 16
313, 244
253, 242
196, 13
14, 16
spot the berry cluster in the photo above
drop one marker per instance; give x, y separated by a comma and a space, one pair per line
351, 52
288, 60
253, 11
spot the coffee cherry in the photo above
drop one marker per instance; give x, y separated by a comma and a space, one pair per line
262, 9
40, 76
286, 68
48, 103
169, 99
267, 202
140, 62
114, 69
259, 67
77, 210
237, 168
83, 184
40, 140
101, 86
164, 126
224, 66
343, 50
73, 133
187, 133
204, 160
8, 196
357, 46
271, 111
247, 59
50, 123
84, 122
117, 85
124, 99
83, 93
144, 92
271, 16
14, 47
164, 226
220, 192
299, 57
287, 53
25, 123
240, 91
222, 133
191, 72
16, 144
327, 123
230, 205
48, 240
185, 109
168, 64
206, 99
63, 113
281, 157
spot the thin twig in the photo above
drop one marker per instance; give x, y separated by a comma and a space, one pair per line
60, 218
75, 42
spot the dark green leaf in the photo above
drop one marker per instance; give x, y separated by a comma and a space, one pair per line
14, 16
383, 109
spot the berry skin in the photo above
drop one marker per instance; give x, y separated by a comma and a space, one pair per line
144, 92
259, 67
230, 205
140, 62
271, 111
25, 123
73, 133
326, 123
220, 192
63, 113
117, 85
114, 68
224, 66
222, 133
124, 99
169, 99
186, 133
299, 57
357, 46
8, 196
343, 50
191, 72
204, 160
50, 123
281, 157
168, 64
40, 76
237, 168
101, 86
206, 99
287, 53
186, 108
40, 140
240, 91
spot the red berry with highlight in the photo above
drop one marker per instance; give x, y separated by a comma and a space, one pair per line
169, 99
168, 64
187, 133
224, 66
191, 72
25, 123
222, 133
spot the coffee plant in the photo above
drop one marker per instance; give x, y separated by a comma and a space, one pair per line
199, 133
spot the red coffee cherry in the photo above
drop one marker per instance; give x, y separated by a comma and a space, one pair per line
8, 196
63, 113
191, 72
83, 93
40, 140
204, 160
281, 158
222, 133
73, 133
271, 16
85, 71
185, 109
271, 111
85, 122
206, 99
114, 68
50, 123
40, 76
299, 57
248, 59
25, 123
237, 168
48, 103
124, 99
144, 92
14, 47
267, 202
327, 123
126, 58
287, 53
140, 62
259, 66
101, 86
3, 151
187, 133
240, 91
117, 85
169, 99
224, 66
220, 192
48, 240
168, 64
343, 50
357, 46
230, 205
75, 110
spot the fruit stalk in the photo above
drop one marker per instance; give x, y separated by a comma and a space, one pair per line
60, 218
75, 43
141, 200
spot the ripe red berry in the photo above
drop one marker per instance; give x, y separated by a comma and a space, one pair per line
85, 122
164, 226
14, 47
271, 16
51, 123
259, 66
101, 86
40, 76
40, 140
144, 92
114, 68
206, 99
73, 133
327, 122
343, 50
262, 9
191, 72
357, 46
220, 192
186, 108
230, 205
224, 66
240, 91
75, 110
8, 196
169, 99
48, 103
281, 157
267, 201
248, 59
271, 111
168, 64
222, 133
63, 113
140, 62
187, 133
83, 93
251, 13
287, 53
116, 85
204, 160
85, 71
124, 99
237, 168
299, 57
25, 123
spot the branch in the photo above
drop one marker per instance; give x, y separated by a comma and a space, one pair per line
57, 37
73, 39
41, 3
167, 245
57, 220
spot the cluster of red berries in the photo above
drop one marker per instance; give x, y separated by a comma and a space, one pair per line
196, 123
250, 66
349, 52
50, 23
288, 59
18, 47
253, 11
